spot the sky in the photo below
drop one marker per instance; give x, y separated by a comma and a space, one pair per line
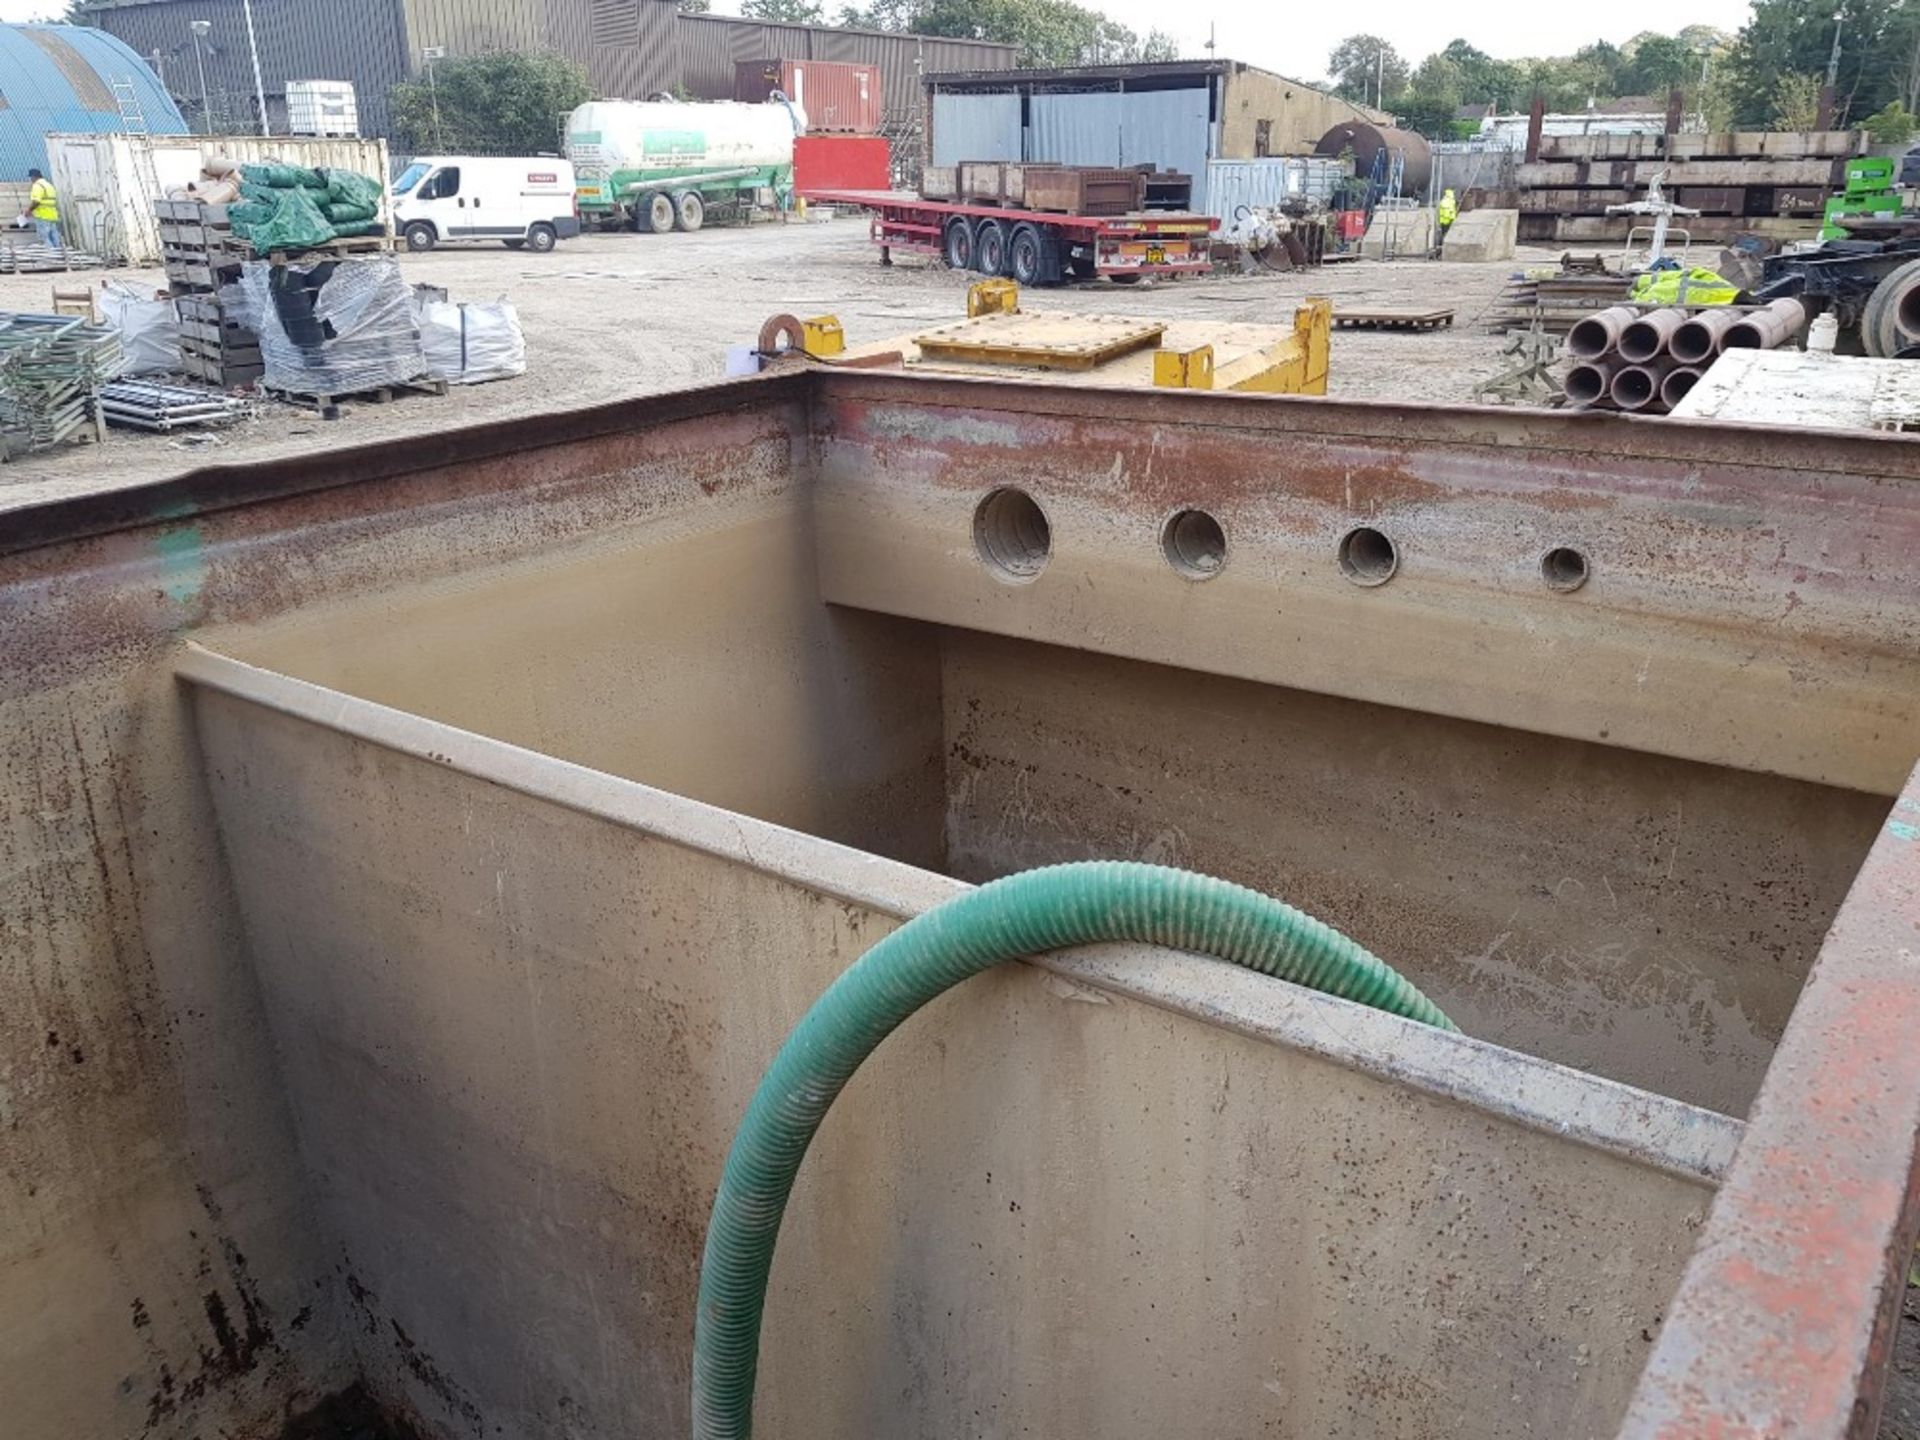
1294, 39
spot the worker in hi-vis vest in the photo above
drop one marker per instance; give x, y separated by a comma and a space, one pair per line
1449, 211
43, 208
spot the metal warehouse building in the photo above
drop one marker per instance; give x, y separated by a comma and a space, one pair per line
64, 79
1185, 115
631, 48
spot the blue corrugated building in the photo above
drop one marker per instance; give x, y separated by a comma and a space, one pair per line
60, 80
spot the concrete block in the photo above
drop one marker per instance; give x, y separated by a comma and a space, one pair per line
1396, 233
1479, 235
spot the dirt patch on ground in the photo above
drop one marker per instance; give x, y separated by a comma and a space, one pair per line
610, 317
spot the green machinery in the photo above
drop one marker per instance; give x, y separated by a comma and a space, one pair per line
1869, 191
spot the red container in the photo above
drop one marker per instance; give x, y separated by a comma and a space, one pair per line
1353, 224
839, 98
841, 162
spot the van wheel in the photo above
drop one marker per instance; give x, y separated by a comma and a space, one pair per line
689, 211
541, 238
653, 215
421, 237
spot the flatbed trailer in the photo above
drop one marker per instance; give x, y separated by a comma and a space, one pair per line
1034, 247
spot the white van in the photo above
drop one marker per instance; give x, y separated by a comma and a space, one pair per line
525, 202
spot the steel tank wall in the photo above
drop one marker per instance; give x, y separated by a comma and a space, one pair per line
606, 137
1368, 140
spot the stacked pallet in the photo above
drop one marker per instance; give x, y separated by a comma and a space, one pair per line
1773, 184
203, 257
1065, 189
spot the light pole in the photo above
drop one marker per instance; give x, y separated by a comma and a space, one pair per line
201, 29
430, 54
259, 86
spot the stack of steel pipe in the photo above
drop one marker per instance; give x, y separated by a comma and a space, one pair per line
1625, 360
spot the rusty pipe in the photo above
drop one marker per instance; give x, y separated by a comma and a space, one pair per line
1702, 337
1650, 335
1637, 387
1679, 381
1596, 335
1589, 383
1767, 327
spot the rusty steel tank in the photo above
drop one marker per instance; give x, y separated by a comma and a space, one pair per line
1367, 140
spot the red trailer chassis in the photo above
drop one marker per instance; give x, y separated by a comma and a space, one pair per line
1036, 247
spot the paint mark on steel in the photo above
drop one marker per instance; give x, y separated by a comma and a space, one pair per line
183, 568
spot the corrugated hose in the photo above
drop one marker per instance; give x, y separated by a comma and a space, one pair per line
1021, 916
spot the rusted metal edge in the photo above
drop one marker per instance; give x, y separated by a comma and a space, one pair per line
1655, 438
1784, 1321
225, 487
1524, 1090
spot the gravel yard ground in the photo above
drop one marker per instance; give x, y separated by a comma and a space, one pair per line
609, 317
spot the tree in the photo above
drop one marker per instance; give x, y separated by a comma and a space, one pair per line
694, 7
1048, 32
1659, 63
1432, 97
1891, 124
1788, 38
880, 15
1796, 102
497, 104
785, 12
1485, 80
1366, 68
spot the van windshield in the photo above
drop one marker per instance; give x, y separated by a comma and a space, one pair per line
410, 177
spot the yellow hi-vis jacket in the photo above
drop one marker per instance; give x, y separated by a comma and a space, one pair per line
1449, 209
44, 200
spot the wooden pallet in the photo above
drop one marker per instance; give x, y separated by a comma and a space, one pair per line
352, 245
328, 406
1392, 319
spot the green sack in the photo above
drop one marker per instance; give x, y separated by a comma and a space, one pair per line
286, 177
1662, 287
346, 213
359, 227
344, 187
295, 224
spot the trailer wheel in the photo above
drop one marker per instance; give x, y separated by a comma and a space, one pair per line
1900, 309
990, 248
1033, 256
653, 214
957, 244
689, 210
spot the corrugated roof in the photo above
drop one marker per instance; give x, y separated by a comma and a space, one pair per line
59, 79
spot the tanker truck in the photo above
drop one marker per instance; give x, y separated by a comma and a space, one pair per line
661, 165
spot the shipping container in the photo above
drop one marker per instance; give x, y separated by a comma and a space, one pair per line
837, 98
1237, 188
841, 162
108, 183
322, 107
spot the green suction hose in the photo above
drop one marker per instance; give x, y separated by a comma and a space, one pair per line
1024, 915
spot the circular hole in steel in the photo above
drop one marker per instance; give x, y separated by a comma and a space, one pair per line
1195, 545
1563, 568
1011, 535
1368, 557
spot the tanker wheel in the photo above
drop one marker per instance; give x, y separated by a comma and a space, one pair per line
990, 248
689, 211
1083, 266
957, 244
1033, 257
1876, 329
653, 214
